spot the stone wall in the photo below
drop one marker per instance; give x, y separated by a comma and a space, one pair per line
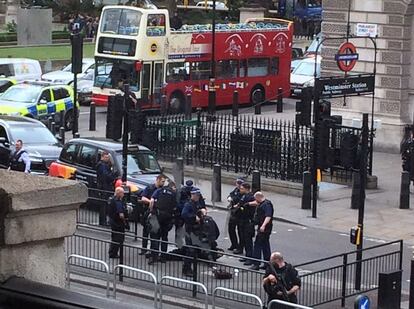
36, 213
393, 105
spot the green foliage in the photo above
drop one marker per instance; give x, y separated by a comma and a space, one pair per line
12, 36
11, 26
234, 6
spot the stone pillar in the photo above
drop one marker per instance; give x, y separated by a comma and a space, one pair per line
394, 82
250, 12
34, 26
36, 214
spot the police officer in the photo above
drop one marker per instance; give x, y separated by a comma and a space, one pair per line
105, 176
146, 196
118, 221
234, 199
19, 159
263, 219
192, 227
247, 207
185, 193
281, 281
164, 206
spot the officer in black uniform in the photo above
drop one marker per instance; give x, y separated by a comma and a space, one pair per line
164, 206
105, 176
263, 219
234, 199
247, 208
146, 196
19, 160
118, 216
192, 227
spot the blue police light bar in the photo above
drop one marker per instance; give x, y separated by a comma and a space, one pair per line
346, 57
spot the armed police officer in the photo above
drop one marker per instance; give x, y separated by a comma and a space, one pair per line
163, 205
146, 196
234, 199
118, 219
281, 281
19, 159
192, 221
105, 175
246, 207
263, 219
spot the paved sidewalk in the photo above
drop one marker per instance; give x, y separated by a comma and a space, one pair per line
383, 218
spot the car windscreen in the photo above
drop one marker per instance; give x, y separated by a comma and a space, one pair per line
68, 68
21, 94
30, 134
305, 68
140, 163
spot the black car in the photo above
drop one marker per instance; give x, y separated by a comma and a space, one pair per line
42, 147
83, 154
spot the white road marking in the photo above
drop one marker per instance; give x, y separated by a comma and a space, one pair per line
226, 238
343, 234
304, 228
84, 113
274, 232
289, 230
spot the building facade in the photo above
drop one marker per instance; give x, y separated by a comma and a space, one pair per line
394, 94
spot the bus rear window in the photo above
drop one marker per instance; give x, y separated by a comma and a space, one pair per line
258, 67
121, 21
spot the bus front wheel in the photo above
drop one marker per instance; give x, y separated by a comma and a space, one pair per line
176, 104
257, 96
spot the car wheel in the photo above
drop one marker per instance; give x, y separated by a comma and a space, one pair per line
69, 120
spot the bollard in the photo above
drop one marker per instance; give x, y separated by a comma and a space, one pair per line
258, 109
62, 119
216, 184
405, 190
179, 175
92, 117
412, 285
389, 289
62, 135
53, 127
256, 181
307, 190
356, 187
163, 107
188, 106
279, 104
235, 106
76, 135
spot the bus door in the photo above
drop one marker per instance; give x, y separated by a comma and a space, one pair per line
152, 82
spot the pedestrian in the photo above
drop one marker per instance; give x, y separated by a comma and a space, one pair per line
146, 196
281, 281
192, 221
263, 219
234, 199
118, 220
163, 205
176, 22
19, 159
247, 208
105, 175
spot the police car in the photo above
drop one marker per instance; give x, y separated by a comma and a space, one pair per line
6, 83
39, 100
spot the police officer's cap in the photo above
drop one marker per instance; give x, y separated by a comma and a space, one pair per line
196, 191
189, 183
239, 180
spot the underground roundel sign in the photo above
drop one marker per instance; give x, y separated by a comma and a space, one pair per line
346, 57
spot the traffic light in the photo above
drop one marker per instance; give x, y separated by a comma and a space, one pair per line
303, 108
77, 52
348, 150
355, 235
324, 109
324, 154
114, 117
137, 126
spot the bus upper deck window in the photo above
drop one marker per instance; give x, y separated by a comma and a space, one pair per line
156, 25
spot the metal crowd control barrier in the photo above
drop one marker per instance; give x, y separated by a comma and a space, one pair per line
235, 292
183, 281
76, 256
287, 304
150, 274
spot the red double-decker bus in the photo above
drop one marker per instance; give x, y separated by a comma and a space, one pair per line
137, 45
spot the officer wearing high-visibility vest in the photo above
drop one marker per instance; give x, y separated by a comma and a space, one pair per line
19, 159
